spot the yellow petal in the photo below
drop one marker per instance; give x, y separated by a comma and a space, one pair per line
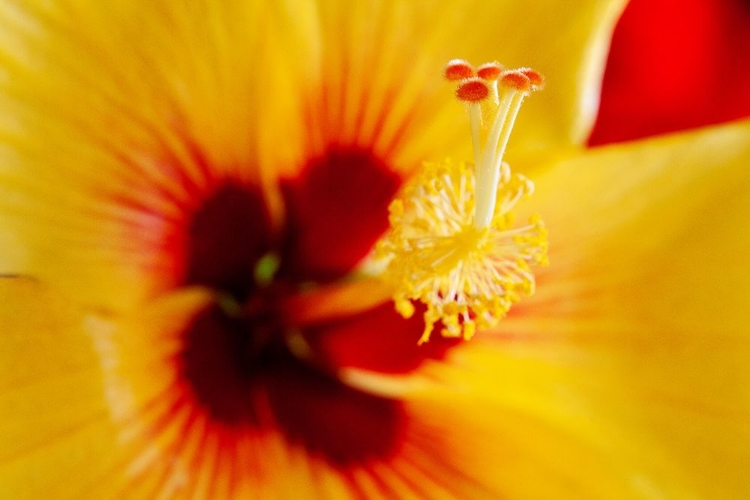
117, 119
636, 344
503, 442
513, 453
662, 225
379, 82
67, 428
54, 421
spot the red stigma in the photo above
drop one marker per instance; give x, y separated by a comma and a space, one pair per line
458, 69
516, 80
490, 71
472, 90
535, 77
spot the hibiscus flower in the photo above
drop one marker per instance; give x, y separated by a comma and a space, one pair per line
190, 195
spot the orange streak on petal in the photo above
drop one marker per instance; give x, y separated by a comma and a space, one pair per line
335, 301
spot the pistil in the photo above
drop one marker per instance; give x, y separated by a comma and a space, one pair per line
492, 102
452, 244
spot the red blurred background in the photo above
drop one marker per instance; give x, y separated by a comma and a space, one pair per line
675, 65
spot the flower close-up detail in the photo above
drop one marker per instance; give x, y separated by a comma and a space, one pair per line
324, 249
451, 244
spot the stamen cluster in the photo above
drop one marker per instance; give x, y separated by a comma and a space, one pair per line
452, 244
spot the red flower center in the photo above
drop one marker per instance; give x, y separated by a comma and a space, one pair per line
236, 363
244, 376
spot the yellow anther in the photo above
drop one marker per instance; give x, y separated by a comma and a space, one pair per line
468, 278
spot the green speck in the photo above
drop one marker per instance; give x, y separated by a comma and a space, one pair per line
266, 268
